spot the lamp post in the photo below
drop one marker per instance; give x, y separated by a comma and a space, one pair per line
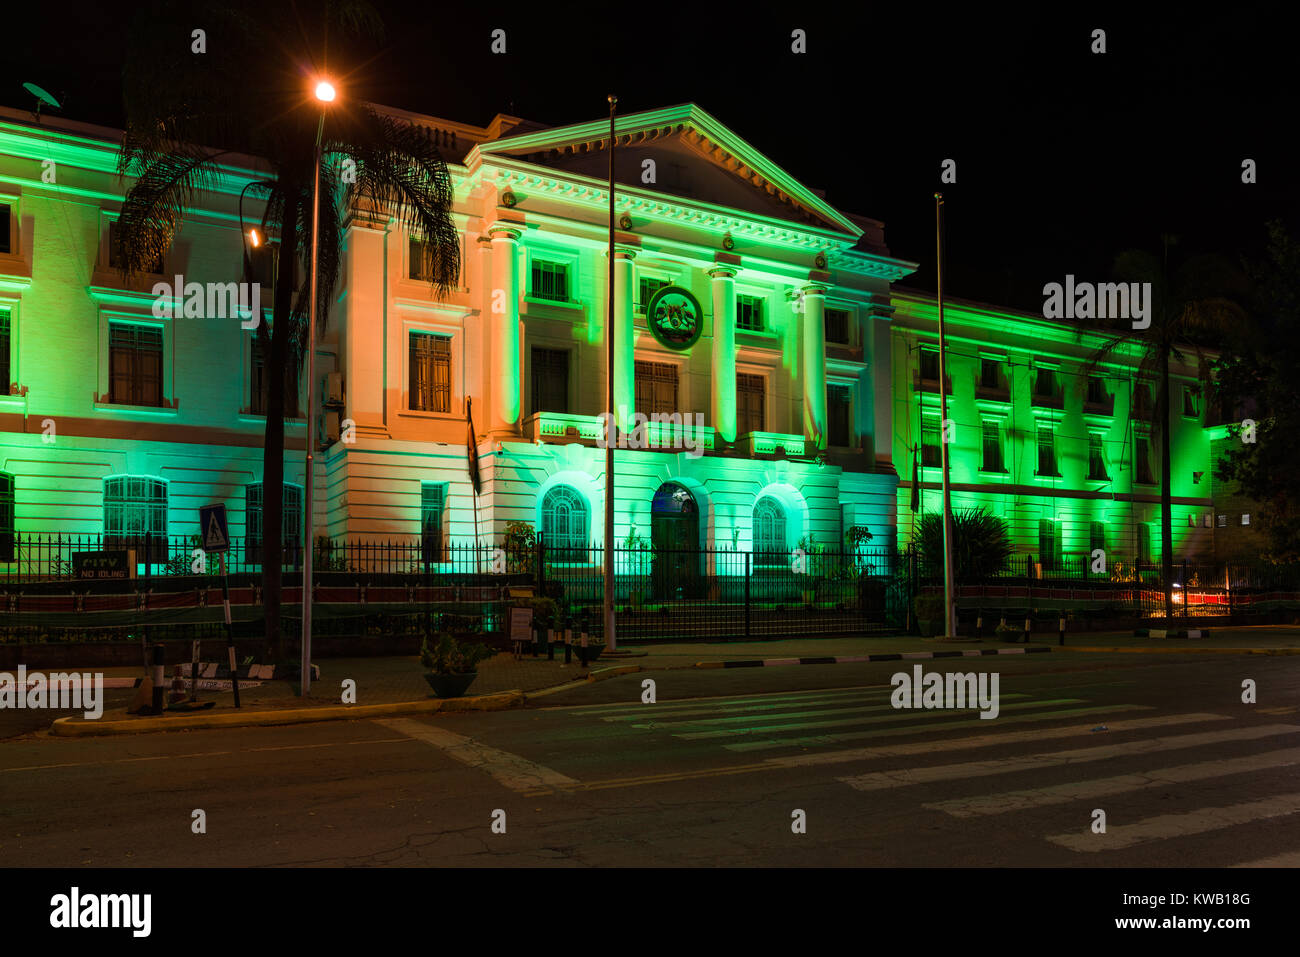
611, 421
324, 95
949, 591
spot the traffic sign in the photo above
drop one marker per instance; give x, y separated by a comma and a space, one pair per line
213, 530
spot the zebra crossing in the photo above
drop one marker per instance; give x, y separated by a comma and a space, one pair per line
829, 728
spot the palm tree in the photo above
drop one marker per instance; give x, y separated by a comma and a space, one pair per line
248, 95
1190, 309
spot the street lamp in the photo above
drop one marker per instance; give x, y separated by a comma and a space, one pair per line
324, 95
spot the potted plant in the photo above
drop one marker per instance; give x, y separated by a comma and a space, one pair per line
929, 613
452, 665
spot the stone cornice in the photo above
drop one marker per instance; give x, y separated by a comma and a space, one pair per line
869, 264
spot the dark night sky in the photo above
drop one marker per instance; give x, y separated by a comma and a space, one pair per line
1063, 157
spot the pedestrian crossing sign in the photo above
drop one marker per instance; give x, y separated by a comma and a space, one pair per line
213, 530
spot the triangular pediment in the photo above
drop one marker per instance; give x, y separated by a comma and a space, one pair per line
695, 158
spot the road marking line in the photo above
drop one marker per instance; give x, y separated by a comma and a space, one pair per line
511, 770
652, 713
900, 714
989, 804
199, 754
1167, 826
1276, 710
904, 777
732, 699
989, 740
652, 721
824, 739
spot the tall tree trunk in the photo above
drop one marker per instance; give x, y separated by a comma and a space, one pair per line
1163, 410
273, 447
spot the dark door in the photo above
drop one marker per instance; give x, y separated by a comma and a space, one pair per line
675, 541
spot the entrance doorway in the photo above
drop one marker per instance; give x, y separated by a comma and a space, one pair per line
675, 540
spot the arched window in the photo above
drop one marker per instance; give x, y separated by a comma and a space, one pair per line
290, 523
6, 517
135, 514
769, 532
564, 524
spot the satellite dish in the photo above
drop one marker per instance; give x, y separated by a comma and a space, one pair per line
42, 98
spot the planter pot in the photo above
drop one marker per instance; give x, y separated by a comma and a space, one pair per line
450, 686
926, 626
593, 652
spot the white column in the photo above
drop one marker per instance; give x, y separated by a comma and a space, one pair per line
503, 333
724, 352
624, 338
814, 364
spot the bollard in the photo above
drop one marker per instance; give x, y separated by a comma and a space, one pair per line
568, 641
1060, 637
159, 678
550, 644
1029, 628
979, 626
582, 643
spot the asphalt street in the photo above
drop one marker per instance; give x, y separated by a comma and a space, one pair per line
716, 772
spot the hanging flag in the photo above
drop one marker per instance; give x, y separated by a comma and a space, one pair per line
471, 448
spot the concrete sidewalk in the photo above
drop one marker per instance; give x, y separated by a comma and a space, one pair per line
396, 684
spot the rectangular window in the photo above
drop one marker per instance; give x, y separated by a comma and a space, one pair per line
430, 385
7, 526
1096, 459
290, 524
990, 374
550, 380
5, 338
1142, 462
433, 499
115, 251
749, 313
6, 217
1049, 544
135, 370
1191, 401
1096, 390
930, 364
837, 326
1096, 536
656, 388
1144, 543
751, 403
646, 287
839, 405
1142, 402
1046, 451
1045, 383
550, 280
135, 516
258, 381
992, 457
419, 268
931, 454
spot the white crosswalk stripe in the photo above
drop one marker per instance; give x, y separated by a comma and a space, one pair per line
902, 777
1166, 826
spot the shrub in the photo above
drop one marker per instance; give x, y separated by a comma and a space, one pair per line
981, 546
450, 657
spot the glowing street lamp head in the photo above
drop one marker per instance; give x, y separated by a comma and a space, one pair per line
325, 91
254, 238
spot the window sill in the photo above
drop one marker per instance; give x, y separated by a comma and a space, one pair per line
246, 416
420, 414
560, 303
169, 411
999, 473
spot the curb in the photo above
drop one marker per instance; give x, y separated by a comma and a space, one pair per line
600, 675
858, 659
1181, 651
1166, 633
70, 727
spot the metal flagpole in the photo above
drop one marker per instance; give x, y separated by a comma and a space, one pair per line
950, 623
308, 477
610, 640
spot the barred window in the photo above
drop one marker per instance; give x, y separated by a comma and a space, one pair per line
1049, 544
5, 338
749, 313
430, 385
990, 374
5, 219
1045, 384
564, 524
751, 402
290, 522
769, 532
6, 517
992, 458
1096, 460
134, 507
656, 388
550, 280
930, 364
135, 365
931, 454
646, 287
1046, 451
433, 502
550, 380
1096, 390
